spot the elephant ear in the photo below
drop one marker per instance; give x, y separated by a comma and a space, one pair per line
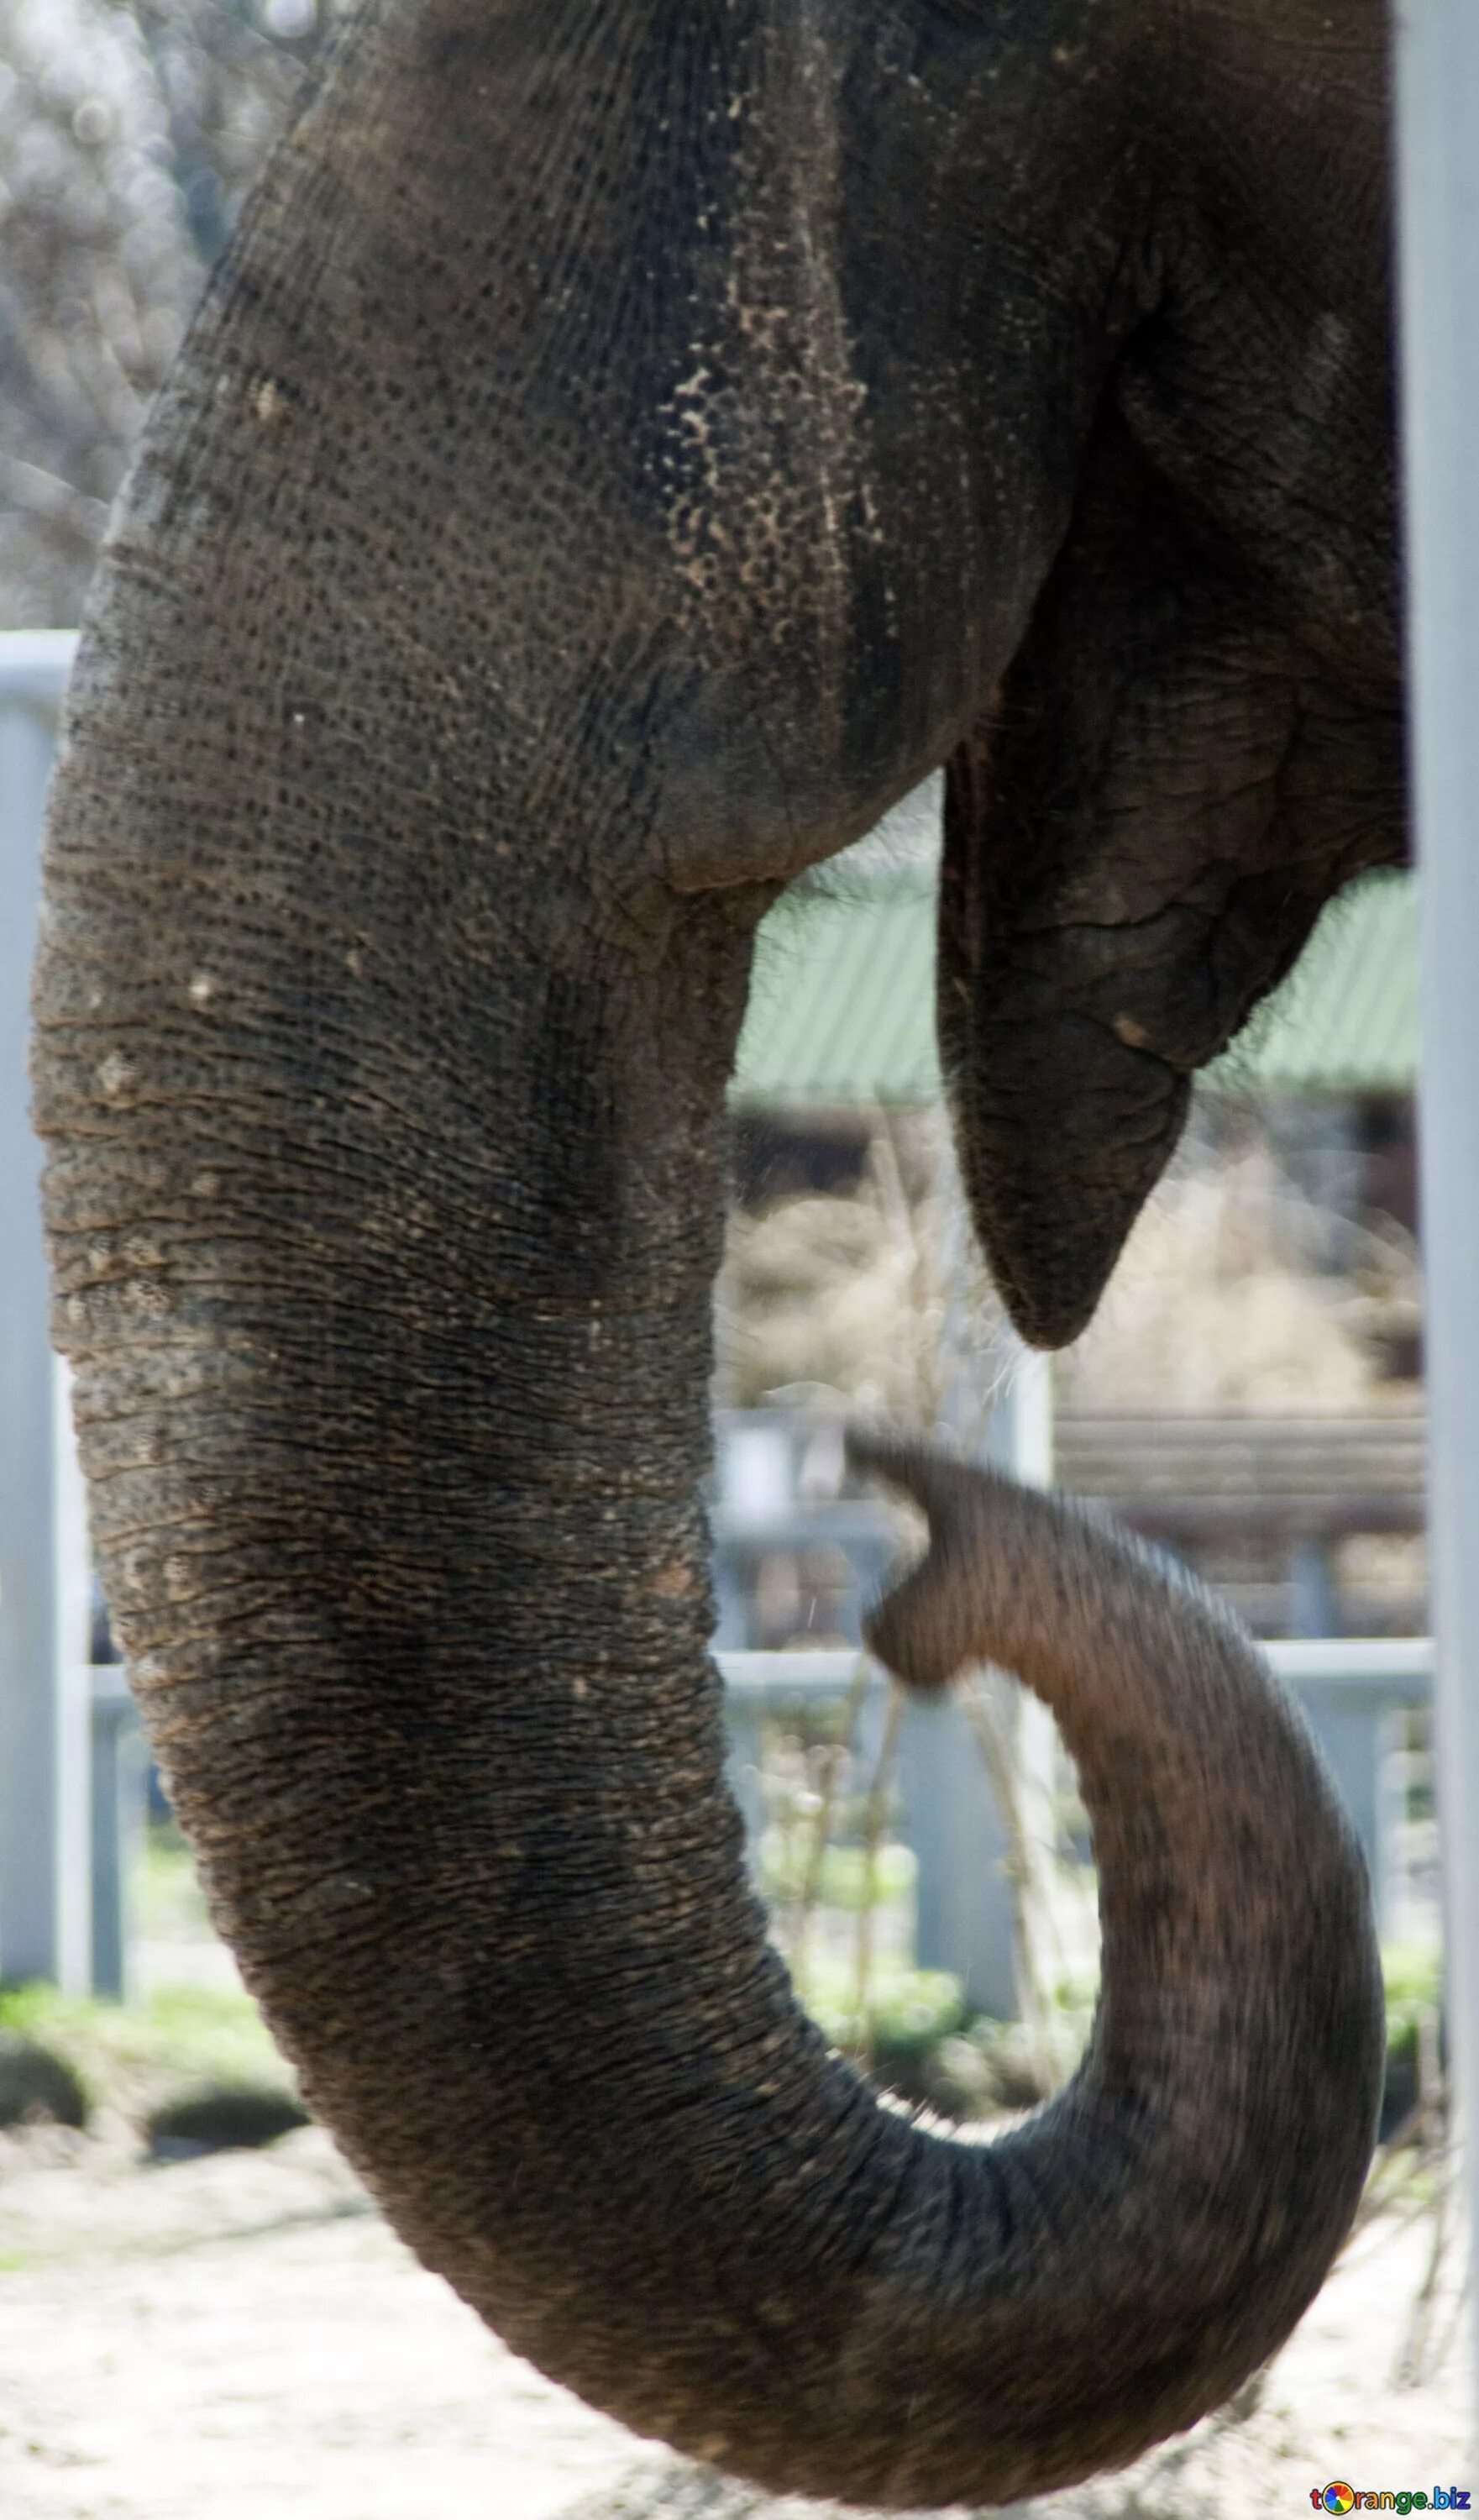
1139, 838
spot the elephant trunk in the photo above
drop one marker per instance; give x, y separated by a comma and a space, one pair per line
389, 1307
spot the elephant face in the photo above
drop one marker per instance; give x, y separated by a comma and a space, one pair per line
1080, 477
621, 451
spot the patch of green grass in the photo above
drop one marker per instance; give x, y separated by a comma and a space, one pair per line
844, 1881
171, 1905
174, 2038
133, 2055
909, 2010
1414, 1974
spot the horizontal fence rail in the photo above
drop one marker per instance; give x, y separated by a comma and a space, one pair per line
1350, 1689
1395, 1669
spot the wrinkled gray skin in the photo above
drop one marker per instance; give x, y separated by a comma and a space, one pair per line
624, 448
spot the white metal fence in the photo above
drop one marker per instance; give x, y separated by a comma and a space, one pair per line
1353, 1690
45, 1783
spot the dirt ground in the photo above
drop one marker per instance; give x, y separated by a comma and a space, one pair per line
241, 2336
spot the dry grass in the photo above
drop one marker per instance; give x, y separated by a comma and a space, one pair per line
1223, 1300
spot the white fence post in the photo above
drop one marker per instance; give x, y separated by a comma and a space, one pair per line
1438, 80
1020, 1441
965, 1906
45, 1872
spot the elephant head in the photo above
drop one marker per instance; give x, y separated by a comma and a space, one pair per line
621, 451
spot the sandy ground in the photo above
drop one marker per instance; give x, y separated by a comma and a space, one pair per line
241, 2336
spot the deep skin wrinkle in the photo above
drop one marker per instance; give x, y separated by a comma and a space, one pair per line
622, 450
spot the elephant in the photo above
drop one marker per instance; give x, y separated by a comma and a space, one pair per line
621, 452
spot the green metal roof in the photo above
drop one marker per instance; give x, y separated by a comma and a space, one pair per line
1345, 1021
841, 1010
841, 1006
